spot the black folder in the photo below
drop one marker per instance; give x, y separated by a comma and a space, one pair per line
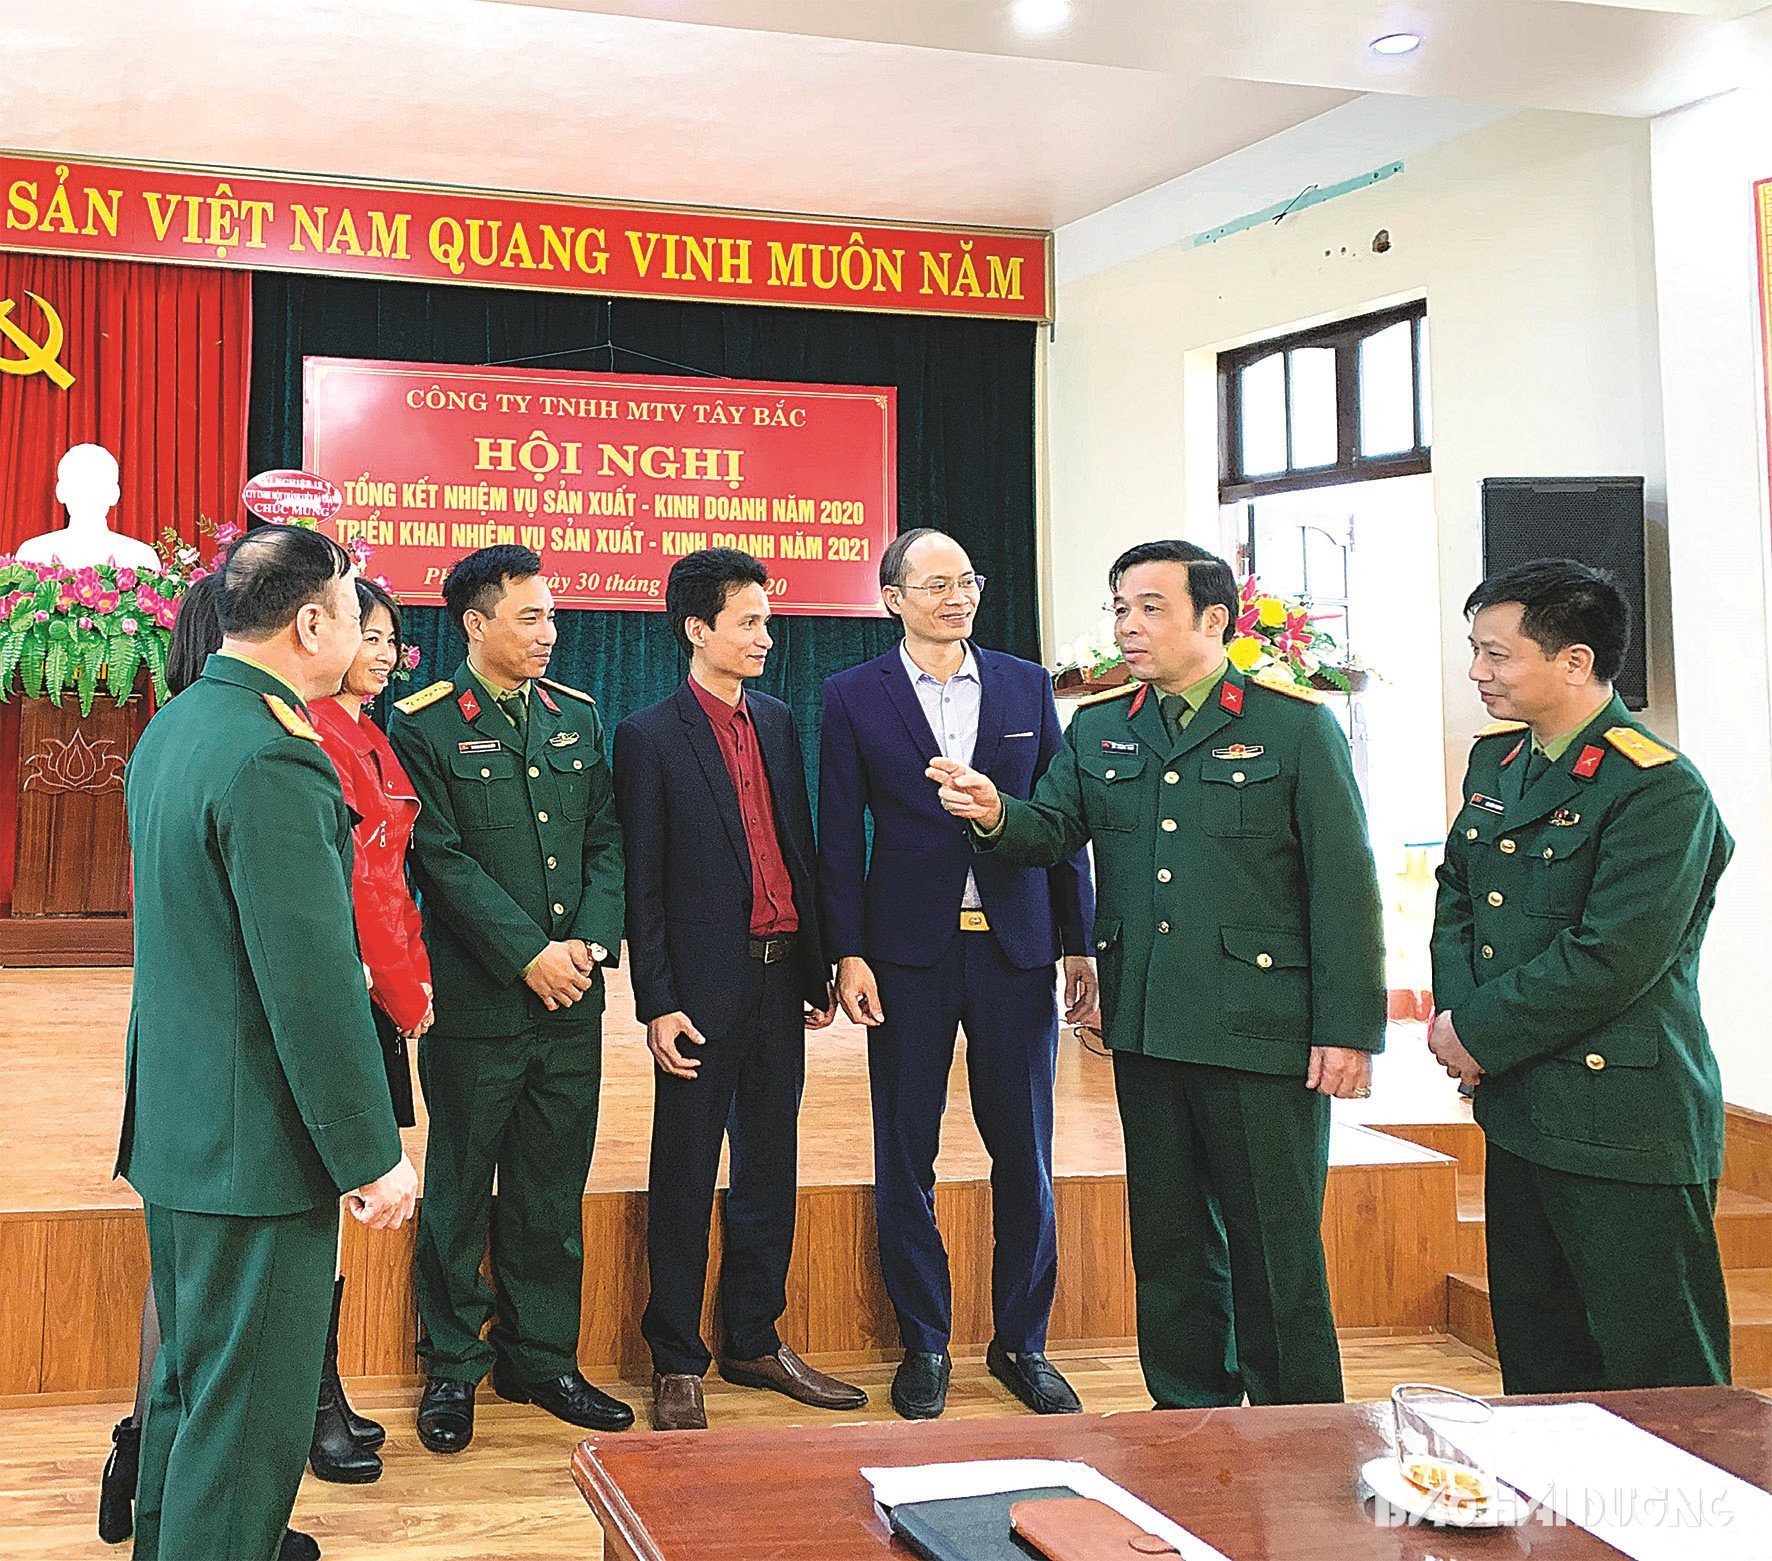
967, 1528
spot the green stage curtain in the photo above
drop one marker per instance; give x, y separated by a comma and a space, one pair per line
965, 441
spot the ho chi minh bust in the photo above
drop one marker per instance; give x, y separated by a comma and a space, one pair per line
86, 484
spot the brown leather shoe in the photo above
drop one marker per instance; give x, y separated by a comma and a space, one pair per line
677, 1404
784, 1372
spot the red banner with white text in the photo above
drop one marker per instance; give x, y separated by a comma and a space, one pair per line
430, 233
609, 477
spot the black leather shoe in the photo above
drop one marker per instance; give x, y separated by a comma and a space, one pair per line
366, 1433
116, 1486
446, 1414
1033, 1379
298, 1546
569, 1398
920, 1385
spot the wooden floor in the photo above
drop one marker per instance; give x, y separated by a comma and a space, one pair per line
511, 1497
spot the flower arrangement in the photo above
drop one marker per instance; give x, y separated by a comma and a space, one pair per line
98, 626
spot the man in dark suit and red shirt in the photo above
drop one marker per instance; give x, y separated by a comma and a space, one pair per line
930, 936
729, 971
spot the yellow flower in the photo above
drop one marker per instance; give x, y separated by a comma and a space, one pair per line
1273, 612
1244, 652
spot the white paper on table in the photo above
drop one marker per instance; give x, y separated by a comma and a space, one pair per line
896, 1484
1641, 1494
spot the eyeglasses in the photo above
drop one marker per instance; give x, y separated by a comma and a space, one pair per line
969, 585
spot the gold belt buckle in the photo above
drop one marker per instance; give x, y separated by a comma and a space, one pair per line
974, 921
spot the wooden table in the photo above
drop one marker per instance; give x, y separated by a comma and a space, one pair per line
1279, 1482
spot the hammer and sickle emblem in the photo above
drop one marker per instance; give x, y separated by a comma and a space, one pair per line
39, 357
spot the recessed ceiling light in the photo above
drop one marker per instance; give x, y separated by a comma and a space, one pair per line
1039, 18
1397, 43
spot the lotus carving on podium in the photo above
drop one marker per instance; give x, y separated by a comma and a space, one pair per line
73, 764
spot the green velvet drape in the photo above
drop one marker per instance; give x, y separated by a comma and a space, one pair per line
965, 441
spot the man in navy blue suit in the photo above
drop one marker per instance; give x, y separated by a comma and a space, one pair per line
729, 971
930, 936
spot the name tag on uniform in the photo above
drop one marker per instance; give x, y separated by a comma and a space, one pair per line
1487, 804
562, 739
487, 745
1239, 751
1563, 818
1108, 745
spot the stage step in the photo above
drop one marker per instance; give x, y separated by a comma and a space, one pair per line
1750, 1319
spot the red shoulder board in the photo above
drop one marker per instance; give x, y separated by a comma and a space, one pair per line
1230, 695
1138, 700
469, 706
1587, 766
1513, 753
546, 698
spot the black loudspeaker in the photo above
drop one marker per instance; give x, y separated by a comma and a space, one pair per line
1597, 521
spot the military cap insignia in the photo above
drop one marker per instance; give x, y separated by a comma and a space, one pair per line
1588, 765
1496, 728
1111, 693
1230, 696
562, 739
467, 704
1239, 751
292, 723
413, 703
1642, 750
562, 688
1291, 690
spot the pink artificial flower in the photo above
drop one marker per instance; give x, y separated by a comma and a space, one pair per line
107, 601
226, 532
128, 625
126, 579
41, 616
411, 656
86, 623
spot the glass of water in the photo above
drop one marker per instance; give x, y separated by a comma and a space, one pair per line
1433, 1454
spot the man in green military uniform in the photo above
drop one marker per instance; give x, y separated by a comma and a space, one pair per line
1239, 950
517, 856
256, 1093
1578, 880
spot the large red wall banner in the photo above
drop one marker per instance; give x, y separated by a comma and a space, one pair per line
610, 477
430, 233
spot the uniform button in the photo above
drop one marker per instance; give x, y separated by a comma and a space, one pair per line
1102, 944
1495, 897
1549, 853
533, 770
559, 909
578, 764
1162, 926
1265, 961
486, 775
1170, 777
1470, 834
1164, 875
1238, 777
1169, 826
553, 861
1488, 951
1107, 774
1507, 847
542, 816
1595, 1061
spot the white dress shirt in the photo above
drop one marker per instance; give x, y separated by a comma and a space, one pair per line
951, 709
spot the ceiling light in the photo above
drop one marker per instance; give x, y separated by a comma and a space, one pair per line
1396, 43
1038, 18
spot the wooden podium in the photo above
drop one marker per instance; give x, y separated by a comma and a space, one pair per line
69, 899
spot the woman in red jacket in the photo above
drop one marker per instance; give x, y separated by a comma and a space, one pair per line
394, 959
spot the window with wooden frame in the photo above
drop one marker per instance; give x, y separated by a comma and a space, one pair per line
1345, 402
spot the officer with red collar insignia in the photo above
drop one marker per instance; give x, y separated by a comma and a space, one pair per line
1237, 932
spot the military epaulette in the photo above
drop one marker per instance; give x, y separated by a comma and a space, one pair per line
292, 723
413, 703
563, 688
1109, 693
1291, 690
1641, 749
1501, 728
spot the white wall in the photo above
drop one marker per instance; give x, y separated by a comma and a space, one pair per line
1531, 241
1704, 162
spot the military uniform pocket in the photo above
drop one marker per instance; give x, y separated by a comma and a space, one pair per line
1242, 797
1267, 983
485, 791
571, 767
1110, 797
1605, 1094
1562, 873
1109, 956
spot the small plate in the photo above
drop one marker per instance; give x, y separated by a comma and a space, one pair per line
1385, 1481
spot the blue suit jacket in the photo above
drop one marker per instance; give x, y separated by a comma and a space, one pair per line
903, 905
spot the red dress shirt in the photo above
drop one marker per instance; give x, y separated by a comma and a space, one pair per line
377, 790
772, 890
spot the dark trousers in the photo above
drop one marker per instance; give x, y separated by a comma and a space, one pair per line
747, 1089
1011, 1021
243, 1306
1597, 1284
1225, 1177
523, 1108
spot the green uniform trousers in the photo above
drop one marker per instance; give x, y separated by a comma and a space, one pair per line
522, 1107
1225, 1176
244, 1303
1597, 1284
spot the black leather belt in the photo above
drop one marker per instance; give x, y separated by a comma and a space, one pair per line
775, 949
